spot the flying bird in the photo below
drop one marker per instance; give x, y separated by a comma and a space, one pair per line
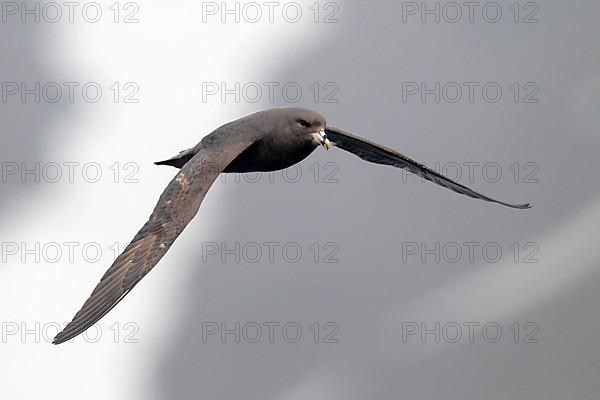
268, 140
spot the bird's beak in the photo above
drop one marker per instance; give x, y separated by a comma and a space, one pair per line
321, 138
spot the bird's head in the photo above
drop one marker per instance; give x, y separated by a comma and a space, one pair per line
310, 125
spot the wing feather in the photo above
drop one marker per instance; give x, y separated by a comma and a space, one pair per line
177, 205
378, 154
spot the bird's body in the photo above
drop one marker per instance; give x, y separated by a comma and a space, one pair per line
268, 140
276, 147
271, 154
275, 150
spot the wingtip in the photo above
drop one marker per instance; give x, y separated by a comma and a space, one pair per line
521, 206
65, 335
58, 339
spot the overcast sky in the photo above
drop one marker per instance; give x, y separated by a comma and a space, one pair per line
337, 278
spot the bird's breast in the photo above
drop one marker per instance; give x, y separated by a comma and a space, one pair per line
264, 156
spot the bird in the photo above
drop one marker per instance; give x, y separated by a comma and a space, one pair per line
267, 140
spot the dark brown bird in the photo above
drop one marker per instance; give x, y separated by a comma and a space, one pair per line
269, 140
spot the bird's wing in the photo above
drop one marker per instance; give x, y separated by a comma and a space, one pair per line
376, 153
177, 205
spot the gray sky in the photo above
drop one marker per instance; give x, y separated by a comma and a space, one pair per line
347, 251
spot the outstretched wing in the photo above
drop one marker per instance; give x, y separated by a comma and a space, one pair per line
376, 153
177, 205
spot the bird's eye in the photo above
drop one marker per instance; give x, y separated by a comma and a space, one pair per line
304, 123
